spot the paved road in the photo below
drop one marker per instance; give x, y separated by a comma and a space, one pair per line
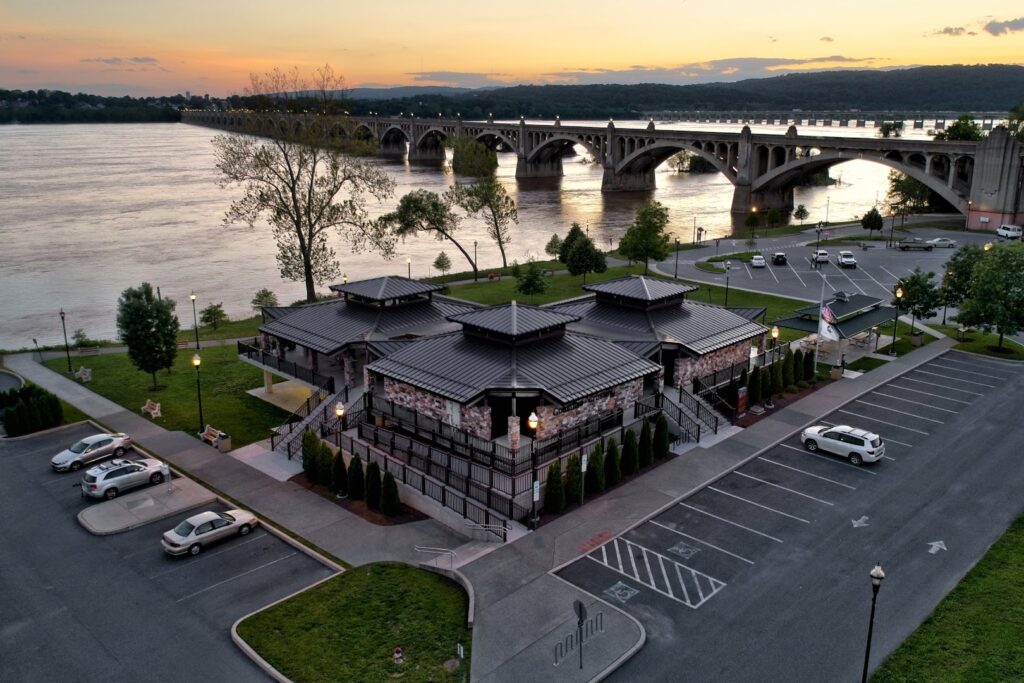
81, 608
763, 574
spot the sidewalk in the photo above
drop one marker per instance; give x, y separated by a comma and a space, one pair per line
142, 507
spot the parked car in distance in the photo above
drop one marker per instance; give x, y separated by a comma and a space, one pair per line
942, 242
90, 449
845, 260
757, 261
855, 444
117, 476
820, 256
199, 531
779, 259
1010, 232
915, 243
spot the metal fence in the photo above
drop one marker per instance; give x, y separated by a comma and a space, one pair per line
689, 429
272, 360
726, 375
695, 406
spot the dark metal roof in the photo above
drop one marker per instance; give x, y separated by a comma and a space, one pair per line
640, 348
749, 313
567, 367
275, 312
846, 328
513, 320
640, 288
385, 288
840, 309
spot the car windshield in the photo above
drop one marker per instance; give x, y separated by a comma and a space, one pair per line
79, 447
184, 529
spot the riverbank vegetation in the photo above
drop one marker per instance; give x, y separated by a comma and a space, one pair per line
55, 106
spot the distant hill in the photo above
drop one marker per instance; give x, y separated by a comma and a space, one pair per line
404, 91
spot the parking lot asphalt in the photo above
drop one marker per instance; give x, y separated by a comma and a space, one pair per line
78, 607
763, 574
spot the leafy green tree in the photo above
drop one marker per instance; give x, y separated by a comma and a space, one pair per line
302, 180
443, 263
373, 484
554, 490
645, 450
148, 327
530, 280
213, 315
754, 387
573, 479
773, 218
996, 299
339, 475
585, 258
595, 475
310, 453
470, 157
645, 238
801, 213
964, 128
356, 478
911, 194
788, 376
575, 233
891, 129
424, 211
956, 283
390, 503
661, 437
1015, 121
263, 298
872, 220
554, 246
752, 221
920, 295
488, 198
612, 464
630, 454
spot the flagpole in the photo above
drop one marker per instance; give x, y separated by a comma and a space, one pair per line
817, 337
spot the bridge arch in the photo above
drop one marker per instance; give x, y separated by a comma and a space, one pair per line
432, 137
494, 139
647, 158
554, 147
363, 132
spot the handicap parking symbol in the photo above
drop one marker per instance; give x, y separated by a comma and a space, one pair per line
621, 592
684, 550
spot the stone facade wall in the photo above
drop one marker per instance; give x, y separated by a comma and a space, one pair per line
473, 419
621, 397
688, 368
476, 420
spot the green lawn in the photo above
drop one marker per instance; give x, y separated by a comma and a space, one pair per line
738, 256
985, 343
975, 634
560, 286
224, 381
346, 628
233, 329
903, 344
777, 306
866, 364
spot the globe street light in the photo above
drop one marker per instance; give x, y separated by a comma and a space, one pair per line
195, 321
675, 275
775, 336
408, 266
196, 360
895, 319
988, 246
67, 349
533, 422
339, 413
876, 582
728, 267
967, 223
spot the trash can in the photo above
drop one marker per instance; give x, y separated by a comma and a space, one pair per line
223, 443
837, 372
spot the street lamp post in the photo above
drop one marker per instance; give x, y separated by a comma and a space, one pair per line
195, 321
817, 245
728, 267
828, 201
408, 266
339, 413
533, 422
775, 338
967, 223
892, 227
895, 319
67, 349
945, 294
196, 360
876, 582
476, 268
675, 274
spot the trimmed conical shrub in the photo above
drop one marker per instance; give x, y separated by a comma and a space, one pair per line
798, 366
754, 389
339, 475
646, 448
787, 368
373, 485
310, 454
324, 464
554, 490
573, 479
595, 474
356, 482
766, 384
661, 437
390, 504
809, 370
612, 464
630, 455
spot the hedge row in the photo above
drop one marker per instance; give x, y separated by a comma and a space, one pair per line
30, 409
322, 466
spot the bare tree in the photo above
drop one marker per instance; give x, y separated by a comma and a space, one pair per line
300, 176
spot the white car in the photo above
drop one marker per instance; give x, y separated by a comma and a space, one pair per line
199, 531
1010, 232
117, 476
820, 256
942, 242
90, 449
757, 261
855, 444
845, 260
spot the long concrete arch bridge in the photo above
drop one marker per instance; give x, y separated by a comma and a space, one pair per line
983, 180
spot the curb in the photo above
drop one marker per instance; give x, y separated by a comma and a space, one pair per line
461, 578
138, 524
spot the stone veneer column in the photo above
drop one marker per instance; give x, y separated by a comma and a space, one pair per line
513, 433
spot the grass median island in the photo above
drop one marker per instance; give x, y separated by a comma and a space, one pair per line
346, 628
975, 632
225, 380
560, 286
984, 343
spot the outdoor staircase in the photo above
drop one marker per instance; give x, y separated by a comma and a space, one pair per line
287, 438
711, 420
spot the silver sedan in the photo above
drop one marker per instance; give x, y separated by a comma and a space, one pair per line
199, 531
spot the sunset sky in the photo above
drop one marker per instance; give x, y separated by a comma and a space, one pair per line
142, 47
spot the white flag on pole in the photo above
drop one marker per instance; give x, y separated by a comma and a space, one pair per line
826, 324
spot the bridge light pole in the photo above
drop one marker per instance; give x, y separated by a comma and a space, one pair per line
967, 224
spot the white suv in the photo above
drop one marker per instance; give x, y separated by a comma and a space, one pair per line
856, 444
845, 260
114, 477
1010, 232
820, 256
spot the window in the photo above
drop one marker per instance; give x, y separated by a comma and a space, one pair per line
219, 523
204, 528
835, 436
453, 413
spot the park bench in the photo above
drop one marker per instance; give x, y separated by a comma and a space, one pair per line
151, 409
182, 344
88, 350
216, 438
84, 374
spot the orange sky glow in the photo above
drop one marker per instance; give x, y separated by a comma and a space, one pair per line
140, 47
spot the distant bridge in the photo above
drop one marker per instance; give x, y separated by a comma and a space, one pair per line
981, 179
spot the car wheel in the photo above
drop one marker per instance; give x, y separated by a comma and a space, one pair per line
75, 466
244, 530
195, 549
111, 493
119, 451
156, 478
811, 445
855, 459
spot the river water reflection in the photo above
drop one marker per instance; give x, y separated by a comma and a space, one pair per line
88, 210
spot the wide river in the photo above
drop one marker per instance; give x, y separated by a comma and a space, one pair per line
88, 210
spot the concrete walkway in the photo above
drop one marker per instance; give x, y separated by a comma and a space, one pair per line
133, 510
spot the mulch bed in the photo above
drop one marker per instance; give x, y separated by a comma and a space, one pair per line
780, 403
359, 507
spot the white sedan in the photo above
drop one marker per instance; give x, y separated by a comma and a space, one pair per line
199, 531
757, 261
942, 242
90, 449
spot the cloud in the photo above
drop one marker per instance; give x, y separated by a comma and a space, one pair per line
117, 61
997, 28
461, 79
144, 60
951, 31
826, 39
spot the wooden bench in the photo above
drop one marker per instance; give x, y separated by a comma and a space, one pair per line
151, 409
84, 374
215, 438
88, 350
183, 344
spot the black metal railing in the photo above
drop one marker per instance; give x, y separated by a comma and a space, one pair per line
696, 407
734, 371
712, 397
575, 437
688, 427
271, 360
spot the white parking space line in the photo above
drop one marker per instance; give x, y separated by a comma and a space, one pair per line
973, 372
916, 403
237, 576
749, 274
852, 282
895, 278
796, 273
887, 439
780, 486
875, 419
770, 509
983, 362
809, 474
186, 564
827, 459
926, 393
886, 289
702, 542
955, 379
935, 384
772, 273
728, 521
901, 412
